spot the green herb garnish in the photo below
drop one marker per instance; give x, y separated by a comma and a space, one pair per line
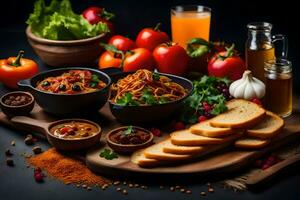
163, 100
128, 131
148, 98
94, 81
127, 100
108, 154
156, 76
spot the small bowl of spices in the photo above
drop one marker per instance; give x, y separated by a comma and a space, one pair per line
17, 103
128, 139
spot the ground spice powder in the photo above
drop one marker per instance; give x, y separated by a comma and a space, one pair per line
66, 169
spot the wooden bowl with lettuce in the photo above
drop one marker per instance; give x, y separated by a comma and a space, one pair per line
63, 38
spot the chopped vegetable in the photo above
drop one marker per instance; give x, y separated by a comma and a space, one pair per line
128, 131
207, 99
108, 154
58, 22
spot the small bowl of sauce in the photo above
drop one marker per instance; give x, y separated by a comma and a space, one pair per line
17, 103
128, 139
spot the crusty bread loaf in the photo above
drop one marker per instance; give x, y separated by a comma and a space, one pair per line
251, 143
156, 152
169, 147
241, 114
205, 129
186, 138
267, 128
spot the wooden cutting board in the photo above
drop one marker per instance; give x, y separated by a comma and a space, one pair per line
228, 159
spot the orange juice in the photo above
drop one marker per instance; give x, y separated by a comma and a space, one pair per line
189, 24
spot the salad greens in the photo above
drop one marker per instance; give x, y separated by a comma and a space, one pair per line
57, 21
127, 100
208, 90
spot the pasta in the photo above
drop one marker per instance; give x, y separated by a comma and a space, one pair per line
146, 88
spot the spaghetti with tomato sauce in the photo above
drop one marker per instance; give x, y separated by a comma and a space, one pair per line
146, 88
72, 82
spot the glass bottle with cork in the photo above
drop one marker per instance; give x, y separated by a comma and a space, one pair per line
260, 47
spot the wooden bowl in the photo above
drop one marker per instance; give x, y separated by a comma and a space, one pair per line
66, 52
128, 148
16, 110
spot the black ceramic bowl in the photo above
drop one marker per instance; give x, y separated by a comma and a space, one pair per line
150, 114
66, 104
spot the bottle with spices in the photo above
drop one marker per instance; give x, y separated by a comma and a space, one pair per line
260, 47
278, 76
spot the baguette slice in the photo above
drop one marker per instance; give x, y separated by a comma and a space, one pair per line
268, 128
205, 129
139, 158
251, 143
241, 114
186, 138
156, 152
169, 147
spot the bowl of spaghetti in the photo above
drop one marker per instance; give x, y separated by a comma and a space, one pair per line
69, 91
144, 96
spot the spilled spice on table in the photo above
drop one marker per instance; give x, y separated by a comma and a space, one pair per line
66, 169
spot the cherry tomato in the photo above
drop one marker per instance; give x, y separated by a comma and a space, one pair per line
150, 38
139, 58
109, 59
179, 126
171, 58
226, 64
122, 43
202, 118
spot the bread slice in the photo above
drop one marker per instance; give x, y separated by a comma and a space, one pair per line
186, 138
241, 114
251, 143
139, 158
156, 152
169, 147
268, 128
205, 129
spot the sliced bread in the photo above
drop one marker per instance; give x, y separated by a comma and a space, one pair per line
241, 114
268, 128
251, 143
205, 129
139, 158
186, 138
156, 152
169, 147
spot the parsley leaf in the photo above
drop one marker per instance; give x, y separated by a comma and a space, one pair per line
127, 100
94, 81
156, 76
128, 131
148, 98
163, 100
108, 154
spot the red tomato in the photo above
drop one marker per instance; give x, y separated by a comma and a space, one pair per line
122, 43
171, 58
226, 64
109, 59
150, 38
139, 58
95, 15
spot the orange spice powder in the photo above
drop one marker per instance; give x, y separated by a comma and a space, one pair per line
66, 169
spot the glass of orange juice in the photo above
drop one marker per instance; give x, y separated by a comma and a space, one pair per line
191, 21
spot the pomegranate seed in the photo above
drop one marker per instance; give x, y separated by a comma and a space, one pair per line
179, 126
257, 101
156, 132
38, 177
201, 118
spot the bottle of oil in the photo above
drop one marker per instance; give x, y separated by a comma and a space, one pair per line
260, 47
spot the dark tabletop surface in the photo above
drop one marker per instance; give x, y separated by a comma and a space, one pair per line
18, 183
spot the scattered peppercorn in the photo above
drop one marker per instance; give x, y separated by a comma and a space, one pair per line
118, 189
188, 192
182, 190
172, 188
37, 150
13, 143
29, 140
8, 152
124, 192
10, 162
203, 193
136, 185
130, 185
84, 186
211, 190
117, 183
89, 188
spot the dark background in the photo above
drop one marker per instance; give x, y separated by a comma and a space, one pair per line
229, 20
